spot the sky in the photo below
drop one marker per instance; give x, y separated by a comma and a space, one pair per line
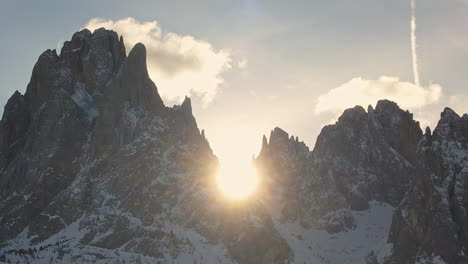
250, 66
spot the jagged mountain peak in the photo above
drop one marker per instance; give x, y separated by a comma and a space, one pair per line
133, 83
448, 113
101, 38
280, 141
380, 157
264, 141
92, 80
277, 135
13, 105
87, 62
186, 105
138, 56
428, 132
387, 105
448, 117
82, 110
451, 127
95, 168
352, 115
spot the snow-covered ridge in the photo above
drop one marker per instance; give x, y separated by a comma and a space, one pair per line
379, 156
94, 168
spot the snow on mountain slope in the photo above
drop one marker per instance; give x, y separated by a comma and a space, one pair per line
94, 168
312, 245
378, 157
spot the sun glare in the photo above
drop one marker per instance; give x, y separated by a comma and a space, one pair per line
237, 180
234, 146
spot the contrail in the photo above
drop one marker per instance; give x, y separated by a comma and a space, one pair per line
413, 43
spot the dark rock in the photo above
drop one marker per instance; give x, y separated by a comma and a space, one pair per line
380, 155
93, 161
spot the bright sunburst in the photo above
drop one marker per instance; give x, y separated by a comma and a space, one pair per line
237, 180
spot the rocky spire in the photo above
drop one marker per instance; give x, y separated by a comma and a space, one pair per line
352, 115
186, 106
278, 138
15, 120
399, 128
88, 61
264, 149
82, 111
264, 142
451, 127
134, 82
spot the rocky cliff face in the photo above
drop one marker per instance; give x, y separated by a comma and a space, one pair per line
432, 218
94, 168
375, 162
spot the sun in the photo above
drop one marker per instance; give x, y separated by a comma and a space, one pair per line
237, 180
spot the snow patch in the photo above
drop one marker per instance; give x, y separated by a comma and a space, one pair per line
347, 247
84, 101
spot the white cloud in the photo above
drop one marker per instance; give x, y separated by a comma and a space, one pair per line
359, 91
179, 65
242, 64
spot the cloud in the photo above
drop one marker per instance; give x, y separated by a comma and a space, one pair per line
359, 91
242, 64
179, 64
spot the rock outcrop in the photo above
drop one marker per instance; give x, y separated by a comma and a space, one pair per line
379, 157
432, 218
94, 168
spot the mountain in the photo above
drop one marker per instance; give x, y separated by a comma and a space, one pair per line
95, 168
374, 188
